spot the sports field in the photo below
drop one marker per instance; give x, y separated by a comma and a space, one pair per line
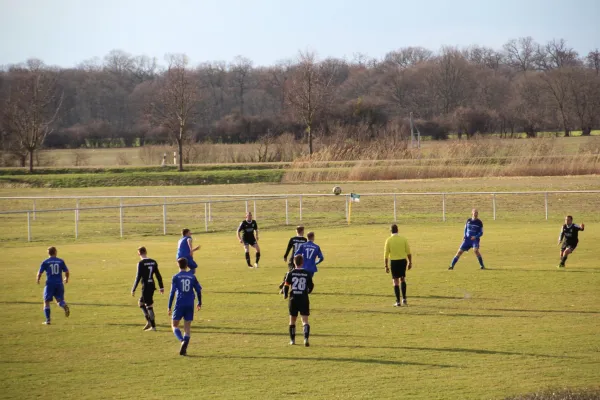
519, 326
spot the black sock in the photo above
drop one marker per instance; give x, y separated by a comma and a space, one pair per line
306, 331
257, 256
564, 259
403, 286
248, 259
293, 332
143, 308
150, 311
397, 293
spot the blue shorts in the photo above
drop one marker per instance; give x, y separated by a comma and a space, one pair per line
54, 290
183, 312
467, 244
191, 263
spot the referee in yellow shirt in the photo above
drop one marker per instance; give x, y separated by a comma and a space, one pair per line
397, 252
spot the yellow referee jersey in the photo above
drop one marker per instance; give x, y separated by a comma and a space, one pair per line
396, 248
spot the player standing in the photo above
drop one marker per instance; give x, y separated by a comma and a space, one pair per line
247, 234
472, 236
186, 249
183, 285
293, 245
298, 285
311, 253
147, 270
54, 267
397, 251
568, 239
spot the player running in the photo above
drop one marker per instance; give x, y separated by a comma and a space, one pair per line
186, 249
249, 238
54, 267
298, 285
183, 285
472, 236
568, 239
147, 270
311, 252
294, 243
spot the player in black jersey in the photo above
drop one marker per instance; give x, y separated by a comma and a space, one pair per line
247, 234
298, 284
568, 239
293, 245
147, 269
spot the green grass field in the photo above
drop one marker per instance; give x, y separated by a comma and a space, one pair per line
518, 327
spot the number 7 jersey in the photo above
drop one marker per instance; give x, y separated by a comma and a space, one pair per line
300, 283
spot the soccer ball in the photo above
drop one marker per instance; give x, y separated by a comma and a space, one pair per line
337, 190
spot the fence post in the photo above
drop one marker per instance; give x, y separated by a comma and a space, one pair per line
77, 209
287, 220
34, 209
76, 226
444, 207
209, 211
246, 206
395, 214
346, 201
300, 207
494, 205
205, 217
28, 226
254, 209
121, 215
546, 204
164, 219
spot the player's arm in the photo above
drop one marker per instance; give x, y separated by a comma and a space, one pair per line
320, 256
408, 255
172, 294
562, 235
386, 253
256, 230
66, 271
239, 231
289, 248
138, 278
287, 284
466, 230
192, 248
39, 274
310, 285
198, 290
480, 234
159, 279
582, 227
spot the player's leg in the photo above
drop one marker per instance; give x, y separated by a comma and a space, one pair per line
396, 282
177, 316
305, 327
192, 265
46, 306
247, 254
187, 333
149, 303
292, 327
478, 255
458, 254
257, 247
142, 306
402, 275
566, 253
59, 295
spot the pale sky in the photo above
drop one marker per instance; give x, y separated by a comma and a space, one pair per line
66, 32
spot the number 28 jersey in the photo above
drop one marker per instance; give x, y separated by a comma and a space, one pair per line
300, 283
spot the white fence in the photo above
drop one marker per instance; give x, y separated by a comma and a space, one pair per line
374, 207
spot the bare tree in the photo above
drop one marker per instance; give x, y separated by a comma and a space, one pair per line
592, 60
175, 107
240, 71
311, 90
555, 54
521, 53
557, 86
31, 108
408, 56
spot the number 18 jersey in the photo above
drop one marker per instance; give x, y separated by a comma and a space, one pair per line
300, 283
183, 286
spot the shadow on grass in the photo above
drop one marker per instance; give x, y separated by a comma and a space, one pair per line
333, 359
415, 313
71, 304
317, 293
564, 270
452, 350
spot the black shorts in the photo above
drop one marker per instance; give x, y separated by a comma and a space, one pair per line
299, 306
147, 295
249, 241
398, 268
568, 245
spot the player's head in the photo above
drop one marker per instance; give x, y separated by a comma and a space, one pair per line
475, 213
311, 236
52, 251
142, 251
394, 228
183, 263
300, 230
248, 216
186, 232
298, 261
569, 219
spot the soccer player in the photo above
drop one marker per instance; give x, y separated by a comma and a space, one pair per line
397, 251
247, 234
147, 270
311, 253
568, 239
186, 249
298, 285
294, 243
54, 267
472, 236
184, 284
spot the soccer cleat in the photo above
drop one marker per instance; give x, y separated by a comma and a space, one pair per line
404, 303
306, 344
292, 342
67, 311
561, 265
397, 304
46, 322
148, 326
482, 267
151, 329
450, 268
183, 349
250, 266
255, 265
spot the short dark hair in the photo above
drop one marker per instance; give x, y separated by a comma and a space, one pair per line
570, 216
142, 250
183, 262
394, 228
299, 228
298, 260
311, 235
185, 231
51, 251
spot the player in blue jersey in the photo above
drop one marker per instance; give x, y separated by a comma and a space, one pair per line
472, 236
183, 285
54, 267
186, 249
311, 252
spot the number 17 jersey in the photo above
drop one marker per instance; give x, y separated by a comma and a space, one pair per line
300, 283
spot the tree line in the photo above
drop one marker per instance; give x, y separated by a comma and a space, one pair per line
127, 100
